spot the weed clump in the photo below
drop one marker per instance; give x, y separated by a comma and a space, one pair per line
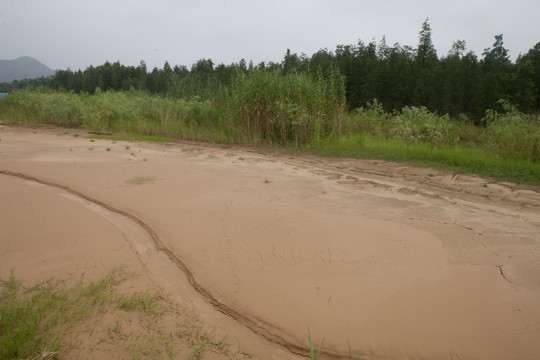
138, 180
56, 320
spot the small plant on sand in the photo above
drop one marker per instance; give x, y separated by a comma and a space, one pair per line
314, 354
138, 180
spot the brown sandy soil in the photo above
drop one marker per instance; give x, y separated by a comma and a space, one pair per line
374, 257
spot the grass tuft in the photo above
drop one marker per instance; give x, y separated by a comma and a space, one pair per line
314, 354
139, 180
56, 320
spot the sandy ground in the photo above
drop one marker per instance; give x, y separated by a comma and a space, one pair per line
374, 257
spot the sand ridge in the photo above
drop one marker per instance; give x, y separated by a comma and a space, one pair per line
373, 256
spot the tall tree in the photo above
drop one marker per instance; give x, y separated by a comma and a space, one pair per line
426, 54
523, 89
293, 62
471, 86
458, 48
322, 61
141, 76
203, 68
401, 79
367, 76
533, 69
426, 62
345, 61
496, 73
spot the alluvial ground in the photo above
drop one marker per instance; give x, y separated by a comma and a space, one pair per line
374, 257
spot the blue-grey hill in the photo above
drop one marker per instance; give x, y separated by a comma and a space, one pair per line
24, 67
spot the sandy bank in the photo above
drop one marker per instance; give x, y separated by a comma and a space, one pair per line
371, 256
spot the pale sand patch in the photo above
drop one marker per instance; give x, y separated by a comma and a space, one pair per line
46, 235
404, 266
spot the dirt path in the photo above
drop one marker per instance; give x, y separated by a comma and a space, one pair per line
374, 257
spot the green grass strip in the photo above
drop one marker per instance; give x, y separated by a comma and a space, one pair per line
454, 159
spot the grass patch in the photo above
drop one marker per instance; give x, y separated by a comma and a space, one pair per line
314, 353
35, 320
55, 320
139, 180
448, 158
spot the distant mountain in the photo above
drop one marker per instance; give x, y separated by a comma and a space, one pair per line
21, 68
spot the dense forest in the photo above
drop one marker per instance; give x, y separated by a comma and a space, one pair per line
457, 84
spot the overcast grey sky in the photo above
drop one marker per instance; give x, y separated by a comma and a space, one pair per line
77, 34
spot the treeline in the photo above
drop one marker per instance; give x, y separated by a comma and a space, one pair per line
397, 76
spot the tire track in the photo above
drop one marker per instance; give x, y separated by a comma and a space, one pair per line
259, 327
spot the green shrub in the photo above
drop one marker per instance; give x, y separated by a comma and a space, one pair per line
512, 133
418, 124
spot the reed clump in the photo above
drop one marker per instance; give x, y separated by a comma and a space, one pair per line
285, 108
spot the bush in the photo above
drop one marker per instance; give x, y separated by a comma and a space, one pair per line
417, 125
372, 119
512, 133
412, 124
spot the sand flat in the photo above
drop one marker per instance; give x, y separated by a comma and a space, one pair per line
372, 256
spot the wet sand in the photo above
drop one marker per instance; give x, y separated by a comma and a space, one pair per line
374, 257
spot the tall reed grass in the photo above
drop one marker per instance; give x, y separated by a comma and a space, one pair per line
288, 108
132, 112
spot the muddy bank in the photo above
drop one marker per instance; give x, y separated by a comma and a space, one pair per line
374, 257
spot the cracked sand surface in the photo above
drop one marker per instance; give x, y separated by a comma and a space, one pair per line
373, 256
